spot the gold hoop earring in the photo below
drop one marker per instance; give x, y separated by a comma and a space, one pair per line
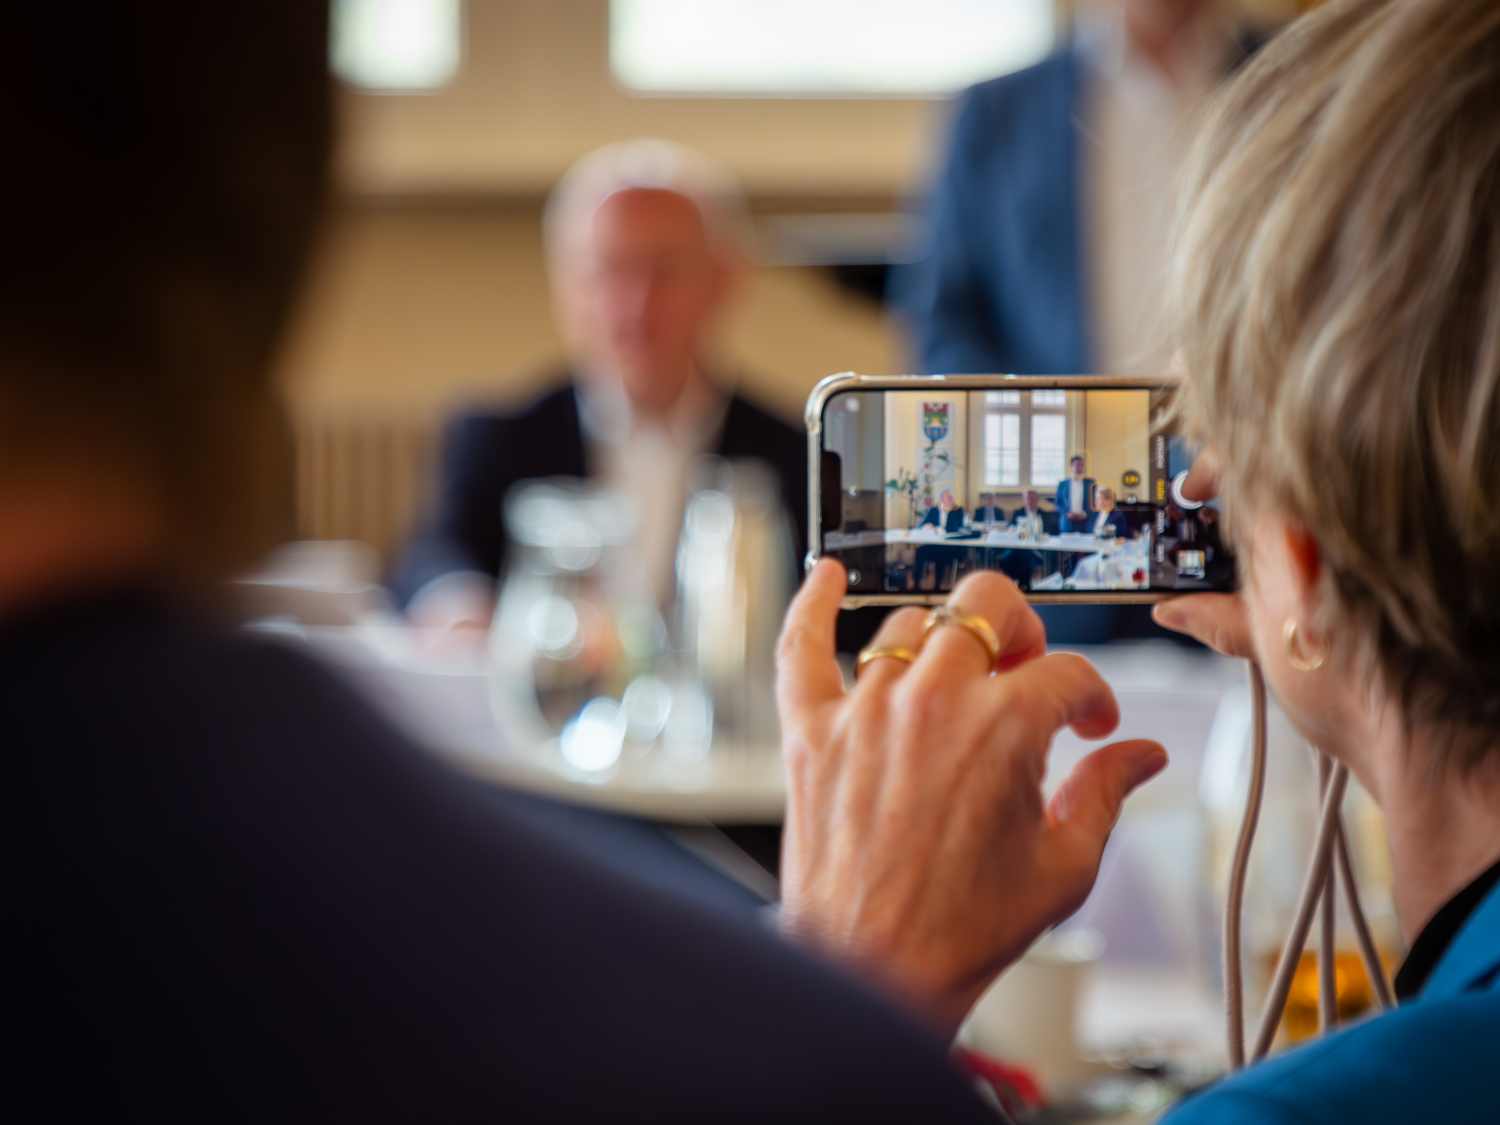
1295, 658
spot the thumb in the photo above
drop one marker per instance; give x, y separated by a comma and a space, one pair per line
1086, 805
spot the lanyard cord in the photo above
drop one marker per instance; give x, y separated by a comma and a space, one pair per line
1330, 856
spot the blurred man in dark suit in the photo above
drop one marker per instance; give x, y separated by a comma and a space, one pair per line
644, 249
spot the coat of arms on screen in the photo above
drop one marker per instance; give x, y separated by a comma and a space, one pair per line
935, 458
935, 420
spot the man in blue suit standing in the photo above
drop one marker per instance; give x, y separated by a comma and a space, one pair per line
1050, 218
1075, 497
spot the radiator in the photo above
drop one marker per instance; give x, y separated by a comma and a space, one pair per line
362, 476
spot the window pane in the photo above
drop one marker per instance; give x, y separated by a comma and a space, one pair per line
1048, 447
395, 44
823, 46
1049, 398
1002, 449
1002, 398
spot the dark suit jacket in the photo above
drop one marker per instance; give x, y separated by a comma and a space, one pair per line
989, 513
485, 453
934, 516
1063, 498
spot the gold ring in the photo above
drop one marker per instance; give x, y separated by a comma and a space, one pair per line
878, 652
976, 626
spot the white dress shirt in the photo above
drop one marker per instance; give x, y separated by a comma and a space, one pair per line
1075, 497
1139, 123
648, 460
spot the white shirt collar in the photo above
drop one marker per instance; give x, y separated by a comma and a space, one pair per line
608, 418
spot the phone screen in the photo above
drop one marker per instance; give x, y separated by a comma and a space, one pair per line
1071, 493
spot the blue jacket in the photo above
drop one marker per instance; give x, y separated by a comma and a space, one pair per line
1001, 288
1435, 1058
1062, 498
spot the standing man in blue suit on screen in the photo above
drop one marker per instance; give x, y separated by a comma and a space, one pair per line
1075, 497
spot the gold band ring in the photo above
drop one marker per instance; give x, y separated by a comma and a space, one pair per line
976, 626
878, 652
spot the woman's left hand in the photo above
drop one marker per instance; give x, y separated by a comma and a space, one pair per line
918, 845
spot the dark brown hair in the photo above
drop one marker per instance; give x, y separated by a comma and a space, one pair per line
165, 168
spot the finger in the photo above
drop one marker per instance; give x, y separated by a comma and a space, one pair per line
1202, 481
995, 598
807, 674
902, 629
1056, 691
1221, 621
1087, 803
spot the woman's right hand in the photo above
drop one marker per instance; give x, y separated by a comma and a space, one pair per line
919, 843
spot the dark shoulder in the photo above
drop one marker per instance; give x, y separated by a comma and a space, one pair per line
750, 430
322, 911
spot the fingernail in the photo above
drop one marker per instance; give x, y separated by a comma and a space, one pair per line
1151, 765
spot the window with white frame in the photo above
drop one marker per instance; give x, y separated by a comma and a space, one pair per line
1025, 438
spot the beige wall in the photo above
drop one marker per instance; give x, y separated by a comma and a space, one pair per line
412, 308
1117, 433
903, 420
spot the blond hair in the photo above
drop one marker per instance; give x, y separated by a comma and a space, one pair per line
1336, 282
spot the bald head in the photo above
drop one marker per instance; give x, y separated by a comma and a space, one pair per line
638, 285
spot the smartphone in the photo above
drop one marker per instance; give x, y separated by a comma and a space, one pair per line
1070, 485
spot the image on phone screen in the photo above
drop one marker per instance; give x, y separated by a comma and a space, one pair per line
1071, 493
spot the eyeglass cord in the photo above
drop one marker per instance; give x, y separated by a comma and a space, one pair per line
1330, 864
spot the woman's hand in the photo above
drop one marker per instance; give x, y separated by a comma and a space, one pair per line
918, 845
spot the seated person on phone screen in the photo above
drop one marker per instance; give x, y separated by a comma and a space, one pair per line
1030, 520
945, 515
988, 513
1107, 517
644, 252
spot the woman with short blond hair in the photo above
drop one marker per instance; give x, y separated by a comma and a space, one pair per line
1338, 285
